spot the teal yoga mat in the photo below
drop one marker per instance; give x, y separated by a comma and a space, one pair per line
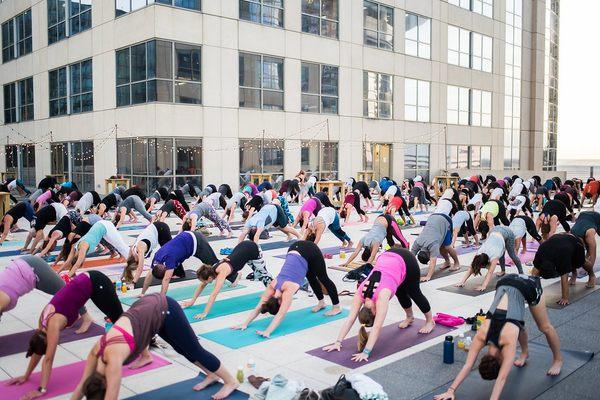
183, 391
295, 321
185, 292
224, 307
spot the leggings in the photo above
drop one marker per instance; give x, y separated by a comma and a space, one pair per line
137, 203
104, 295
248, 253
393, 231
47, 280
178, 195
176, 331
317, 270
531, 228
337, 230
286, 208
174, 206
204, 252
467, 227
324, 199
218, 221
501, 217
410, 290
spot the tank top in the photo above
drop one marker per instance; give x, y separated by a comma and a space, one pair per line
70, 298
389, 273
294, 270
16, 280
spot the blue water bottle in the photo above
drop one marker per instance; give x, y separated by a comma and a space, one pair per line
448, 350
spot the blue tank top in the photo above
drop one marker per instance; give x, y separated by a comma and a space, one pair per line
294, 270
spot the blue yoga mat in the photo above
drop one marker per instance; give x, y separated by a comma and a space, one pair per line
132, 227
295, 321
185, 292
224, 307
183, 391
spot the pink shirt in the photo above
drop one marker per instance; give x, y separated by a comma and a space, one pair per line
16, 280
311, 206
44, 197
393, 271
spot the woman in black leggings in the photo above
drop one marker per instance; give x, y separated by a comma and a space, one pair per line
553, 213
128, 340
177, 194
396, 273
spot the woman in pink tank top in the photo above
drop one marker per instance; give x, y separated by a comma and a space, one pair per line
312, 206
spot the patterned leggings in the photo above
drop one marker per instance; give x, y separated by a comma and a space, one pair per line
218, 221
286, 208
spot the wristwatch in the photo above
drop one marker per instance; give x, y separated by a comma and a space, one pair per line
42, 390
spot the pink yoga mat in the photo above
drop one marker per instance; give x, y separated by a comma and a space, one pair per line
65, 379
391, 340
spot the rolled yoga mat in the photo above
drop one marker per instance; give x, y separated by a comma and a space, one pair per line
224, 307
184, 292
98, 263
189, 276
525, 383
66, 378
391, 340
184, 391
19, 342
295, 321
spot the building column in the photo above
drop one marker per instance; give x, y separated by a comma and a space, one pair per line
221, 161
105, 161
292, 159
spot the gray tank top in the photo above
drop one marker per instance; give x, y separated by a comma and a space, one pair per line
375, 235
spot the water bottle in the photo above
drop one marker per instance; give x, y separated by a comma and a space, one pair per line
240, 374
448, 350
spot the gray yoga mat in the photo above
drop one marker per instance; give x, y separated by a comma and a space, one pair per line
553, 293
525, 383
391, 340
189, 275
183, 391
472, 283
275, 245
444, 272
18, 342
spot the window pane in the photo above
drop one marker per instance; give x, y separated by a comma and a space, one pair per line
250, 98
329, 80
329, 9
138, 62
187, 92
122, 66
272, 100
189, 157
123, 96
312, 7
311, 24
329, 105
164, 60
370, 16
249, 11
272, 73
250, 70
138, 93
310, 103
310, 78
272, 16
329, 29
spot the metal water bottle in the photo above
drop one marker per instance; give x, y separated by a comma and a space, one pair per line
448, 350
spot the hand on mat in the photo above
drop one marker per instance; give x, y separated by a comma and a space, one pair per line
336, 346
460, 284
241, 327
200, 316
264, 334
17, 381
360, 357
449, 395
32, 394
481, 288
563, 302
187, 303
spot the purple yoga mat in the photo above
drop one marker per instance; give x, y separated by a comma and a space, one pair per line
18, 342
460, 250
391, 340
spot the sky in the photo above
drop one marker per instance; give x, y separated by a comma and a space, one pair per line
579, 80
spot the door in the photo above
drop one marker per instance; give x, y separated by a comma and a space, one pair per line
382, 160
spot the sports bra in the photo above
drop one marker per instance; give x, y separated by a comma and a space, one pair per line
497, 321
125, 337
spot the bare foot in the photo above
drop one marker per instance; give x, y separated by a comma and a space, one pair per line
225, 391
141, 361
85, 325
591, 282
318, 307
406, 323
334, 311
555, 368
445, 265
237, 279
209, 380
573, 280
500, 273
521, 361
428, 327
455, 267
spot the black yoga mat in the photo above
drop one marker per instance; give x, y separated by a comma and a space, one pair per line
189, 275
524, 383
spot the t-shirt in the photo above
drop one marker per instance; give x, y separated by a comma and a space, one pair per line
176, 251
460, 218
444, 206
433, 235
586, 221
518, 227
328, 215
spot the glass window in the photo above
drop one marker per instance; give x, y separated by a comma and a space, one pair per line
25, 99
416, 100
57, 25
16, 37
320, 17
58, 91
377, 95
458, 105
266, 12
319, 88
261, 81
12, 159
126, 6
10, 103
416, 161
457, 157
481, 55
483, 7
320, 158
417, 34
378, 25
481, 108
458, 46
80, 16
261, 156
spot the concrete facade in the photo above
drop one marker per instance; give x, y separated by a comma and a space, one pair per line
220, 122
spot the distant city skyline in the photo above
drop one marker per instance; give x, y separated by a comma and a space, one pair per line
578, 89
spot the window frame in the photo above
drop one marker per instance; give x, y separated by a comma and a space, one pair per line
67, 18
321, 19
24, 157
417, 106
419, 160
378, 102
261, 4
378, 32
319, 95
419, 43
485, 8
14, 47
69, 162
333, 146
261, 78
151, 3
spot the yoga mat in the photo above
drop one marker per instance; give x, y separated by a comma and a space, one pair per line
351, 267
441, 273
327, 250
472, 283
185, 292
97, 262
189, 275
132, 227
295, 321
66, 378
461, 250
391, 340
224, 307
524, 383
526, 258
18, 342
552, 293
275, 245
183, 391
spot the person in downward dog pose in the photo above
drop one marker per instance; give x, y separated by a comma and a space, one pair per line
586, 228
127, 207
168, 260
396, 273
128, 340
435, 240
154, 235
269, 215
229, 268
49, 214
327, 218
553, 213
304, 260
170, 206
521, 226
12, 216
206, 210
503, 329
311, 206
462, 224
159, 194
62, 312
501, 240
352, 202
